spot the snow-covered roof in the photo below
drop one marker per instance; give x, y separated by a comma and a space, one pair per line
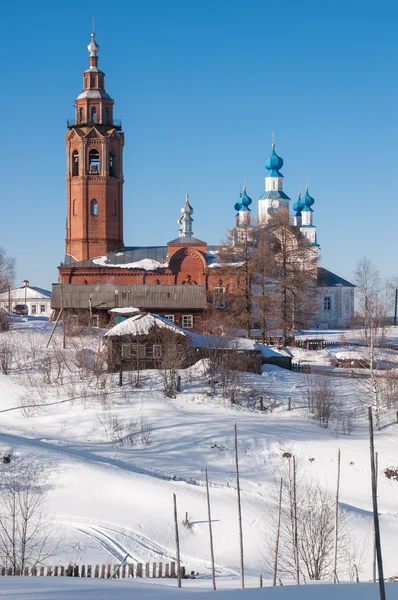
124, 310
142, 325
148, 264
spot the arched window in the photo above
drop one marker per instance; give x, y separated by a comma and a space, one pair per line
93, 162
75, 163
81, 115
105, 114
93, 207
327, 303
93, 114
74, 208
112, 164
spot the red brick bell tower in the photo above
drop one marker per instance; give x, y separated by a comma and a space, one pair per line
94, 147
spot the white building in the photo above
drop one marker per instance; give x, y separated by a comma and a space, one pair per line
335, 294
37, 300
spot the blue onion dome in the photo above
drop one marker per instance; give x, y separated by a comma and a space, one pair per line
274, 163
238, 205
308, 200
246, 201
298, 206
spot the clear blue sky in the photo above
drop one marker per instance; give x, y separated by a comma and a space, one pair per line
200, 87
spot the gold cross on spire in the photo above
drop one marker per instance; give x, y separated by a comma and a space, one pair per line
273, 139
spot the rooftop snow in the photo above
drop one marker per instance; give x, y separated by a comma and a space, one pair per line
142, 325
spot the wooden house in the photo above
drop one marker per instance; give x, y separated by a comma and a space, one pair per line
147, 341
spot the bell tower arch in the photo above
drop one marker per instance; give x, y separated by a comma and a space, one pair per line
94, 176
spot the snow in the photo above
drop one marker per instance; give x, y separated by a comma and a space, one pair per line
147, 264
48, 588
110, 499
142, 325
124, 310
349, 355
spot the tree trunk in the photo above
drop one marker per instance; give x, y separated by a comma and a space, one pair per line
296, 549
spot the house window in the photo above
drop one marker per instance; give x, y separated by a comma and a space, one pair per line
169, 317
96, 321
157, 351
141, 351
34, 309
219, 297
327, 303
93, 208
81, 115
42, 308
93, 114
187, 321
105, 114
126, 351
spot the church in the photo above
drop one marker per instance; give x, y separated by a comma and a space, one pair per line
177, 280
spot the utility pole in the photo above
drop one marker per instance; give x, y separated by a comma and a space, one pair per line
375, 509
396, 305
177, 543
242, 567
213, 575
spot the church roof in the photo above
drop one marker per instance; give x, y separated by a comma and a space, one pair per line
187, 239
274, 195
328, 279
147, 257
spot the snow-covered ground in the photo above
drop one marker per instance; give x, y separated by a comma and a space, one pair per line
109, 500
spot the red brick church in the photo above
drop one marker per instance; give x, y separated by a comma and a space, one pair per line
177, 280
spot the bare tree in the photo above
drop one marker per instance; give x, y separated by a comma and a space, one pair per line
313, 550
7, 270
27, 537
372, 308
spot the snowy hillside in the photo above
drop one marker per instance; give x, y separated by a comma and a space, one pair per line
110, 499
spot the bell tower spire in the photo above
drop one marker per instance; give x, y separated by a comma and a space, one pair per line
94, 147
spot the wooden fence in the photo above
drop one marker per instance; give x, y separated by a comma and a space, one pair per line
108, 571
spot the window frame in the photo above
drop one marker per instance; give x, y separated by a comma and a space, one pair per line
95, 321
184, 325
220, 291
327, 304
93, 208
170, 318
141, 351
43, 308
126, 355
157, 351
33, 309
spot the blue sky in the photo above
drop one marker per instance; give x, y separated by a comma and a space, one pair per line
200, 87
